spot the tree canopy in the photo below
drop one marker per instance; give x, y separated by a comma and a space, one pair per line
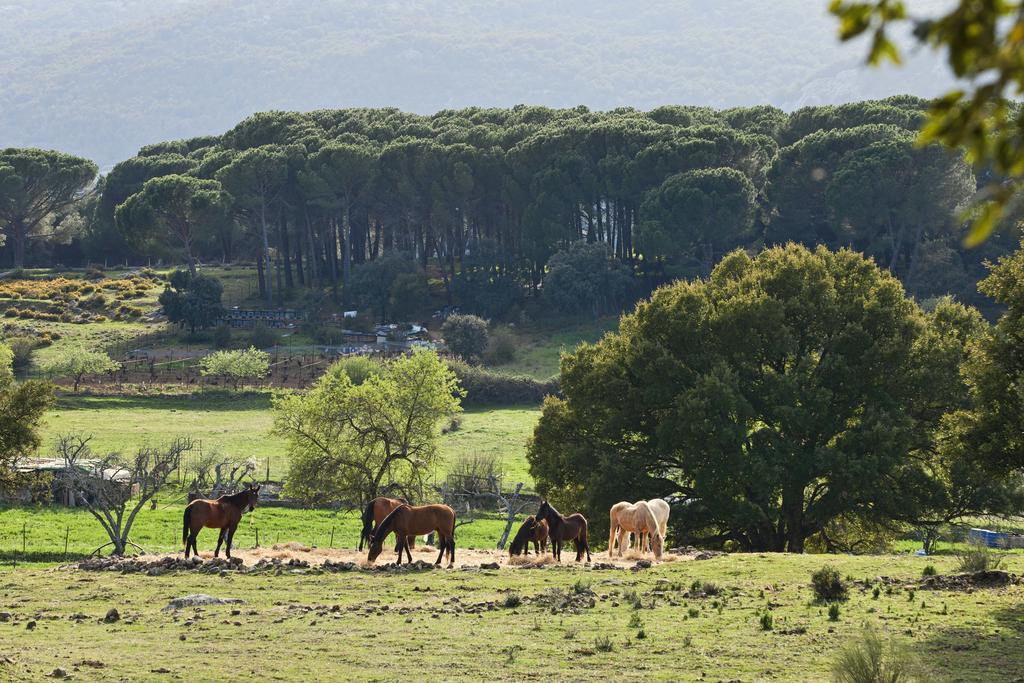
983, 44
352, 442
35, 186
780, 393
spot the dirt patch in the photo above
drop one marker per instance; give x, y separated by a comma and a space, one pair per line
295, 557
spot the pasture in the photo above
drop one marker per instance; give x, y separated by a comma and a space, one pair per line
569, 622
238, 424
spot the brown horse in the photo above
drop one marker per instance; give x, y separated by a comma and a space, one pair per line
531, 530
413, 520
561, 529
375, 512
223, 513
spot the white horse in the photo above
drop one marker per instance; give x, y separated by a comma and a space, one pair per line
661, 510
639, 520
613, 525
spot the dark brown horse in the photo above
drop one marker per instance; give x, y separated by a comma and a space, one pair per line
561, 529
413, 520
223, 513
375, 512
531, 530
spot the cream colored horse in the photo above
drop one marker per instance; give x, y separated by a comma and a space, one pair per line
638, 519
613, 525
661, 510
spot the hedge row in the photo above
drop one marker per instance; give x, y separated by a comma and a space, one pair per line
488, 388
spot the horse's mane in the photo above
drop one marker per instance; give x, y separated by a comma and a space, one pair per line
236, 498
384, 528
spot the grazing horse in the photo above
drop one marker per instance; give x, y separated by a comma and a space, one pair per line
375, 512
413, 520
640, 520
531, 530
561, 529
613, 525
223, 513
661, 510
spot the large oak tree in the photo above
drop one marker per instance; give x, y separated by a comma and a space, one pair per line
780, 393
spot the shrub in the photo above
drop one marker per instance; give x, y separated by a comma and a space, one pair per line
868, 660
466, 336
828, 585
21, 348
977, 558
488, 388
929, 570
221, 336
512, 600
767, 621
604, 644
833, 612
358, 368
236, 365
262, 336
501, 347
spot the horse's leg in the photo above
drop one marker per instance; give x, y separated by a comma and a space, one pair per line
444, 548
220, 539
192, 538
451, 547
407, 551
401, 541
231, 538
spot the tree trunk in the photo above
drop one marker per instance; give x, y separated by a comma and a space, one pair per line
511, 517
17, 235
346, 265
267, 269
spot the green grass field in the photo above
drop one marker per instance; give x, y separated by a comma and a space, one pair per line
541, 345
646, 625
239, 425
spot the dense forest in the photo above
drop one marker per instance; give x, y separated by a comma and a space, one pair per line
100, 78
595, 208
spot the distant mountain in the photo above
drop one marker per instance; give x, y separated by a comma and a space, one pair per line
103, 77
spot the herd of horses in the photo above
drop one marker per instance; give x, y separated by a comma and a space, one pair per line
647, 521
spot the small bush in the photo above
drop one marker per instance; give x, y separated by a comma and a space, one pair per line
767, 621
833, 612
501, 347
262, 336
828, 585
635, 621
875, 592
604, 644
581, 587
358, 368
21, 348
977, 558
512, 600
929, 570
466, 336
868, 660
710, 589
221, 336
693, 612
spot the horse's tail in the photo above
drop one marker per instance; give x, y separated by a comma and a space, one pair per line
186, 524
367, 523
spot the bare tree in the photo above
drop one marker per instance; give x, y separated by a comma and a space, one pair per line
217, 473
113, 488
475, 481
